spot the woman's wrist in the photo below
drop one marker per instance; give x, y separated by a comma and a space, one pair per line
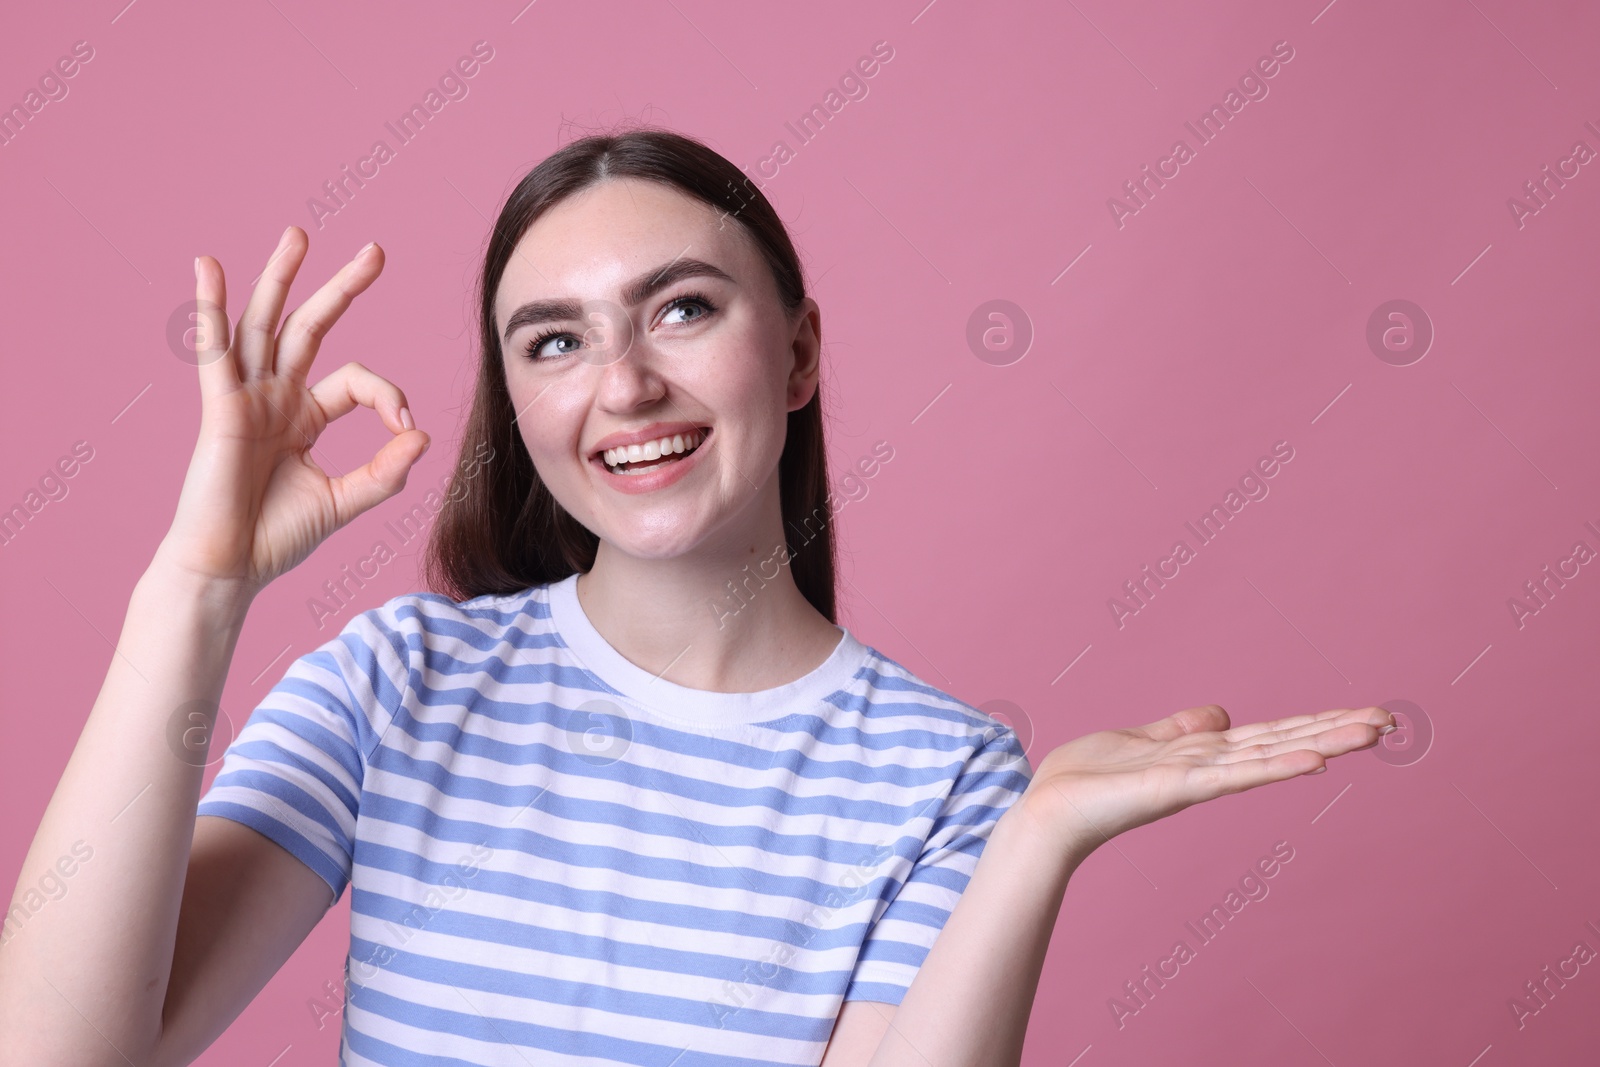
1044, 817
228, 600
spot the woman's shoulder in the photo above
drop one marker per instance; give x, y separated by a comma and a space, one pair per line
893, 690
425, 616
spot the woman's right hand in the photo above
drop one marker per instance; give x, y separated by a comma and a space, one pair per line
254, 502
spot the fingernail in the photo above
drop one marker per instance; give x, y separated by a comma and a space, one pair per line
425, 447
1387, 730
284, 239
197, 266
364, 248
1319, 770
405, 419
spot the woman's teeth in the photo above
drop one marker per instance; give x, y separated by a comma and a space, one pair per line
648, 453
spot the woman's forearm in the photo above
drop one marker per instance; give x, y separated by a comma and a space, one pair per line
85, 962
969, 1003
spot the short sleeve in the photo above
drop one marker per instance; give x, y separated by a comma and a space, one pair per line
993, 777
294, 771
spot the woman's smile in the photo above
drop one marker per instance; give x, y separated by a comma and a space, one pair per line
635, 463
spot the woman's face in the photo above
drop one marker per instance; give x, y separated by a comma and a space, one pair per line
605, 339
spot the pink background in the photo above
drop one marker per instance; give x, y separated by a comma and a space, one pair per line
1228, 314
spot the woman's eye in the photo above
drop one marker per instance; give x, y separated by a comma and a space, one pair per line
698, 305
536, 347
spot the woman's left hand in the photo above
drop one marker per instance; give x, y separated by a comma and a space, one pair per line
1090, 790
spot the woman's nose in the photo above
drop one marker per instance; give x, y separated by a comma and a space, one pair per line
630, 380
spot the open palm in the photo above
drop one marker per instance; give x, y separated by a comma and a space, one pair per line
1095, 787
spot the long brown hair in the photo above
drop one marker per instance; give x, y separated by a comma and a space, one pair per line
500, 530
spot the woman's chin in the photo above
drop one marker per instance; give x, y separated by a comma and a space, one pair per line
663, 543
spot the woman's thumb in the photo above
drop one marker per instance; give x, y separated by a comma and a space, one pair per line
381, 477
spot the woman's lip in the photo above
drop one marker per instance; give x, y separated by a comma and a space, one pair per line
656, 432
659, 478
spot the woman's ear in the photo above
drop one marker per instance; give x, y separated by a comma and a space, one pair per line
806, 348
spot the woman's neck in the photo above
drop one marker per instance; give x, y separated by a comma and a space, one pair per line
725, 624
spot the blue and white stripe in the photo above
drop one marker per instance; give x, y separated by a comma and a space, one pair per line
555, 858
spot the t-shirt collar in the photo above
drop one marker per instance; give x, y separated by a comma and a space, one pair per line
698, 706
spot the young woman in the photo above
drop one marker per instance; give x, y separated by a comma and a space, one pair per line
623, 791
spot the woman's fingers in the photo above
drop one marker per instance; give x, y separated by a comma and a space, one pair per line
1241, 733
1378, 718
1206, 717
1223, 778
379, 479
1326, 741
353, 385
305, 327
258, 326
219, 373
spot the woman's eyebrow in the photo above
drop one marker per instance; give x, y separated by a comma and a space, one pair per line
636, 291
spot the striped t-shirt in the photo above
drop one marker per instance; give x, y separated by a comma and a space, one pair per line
550, 848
